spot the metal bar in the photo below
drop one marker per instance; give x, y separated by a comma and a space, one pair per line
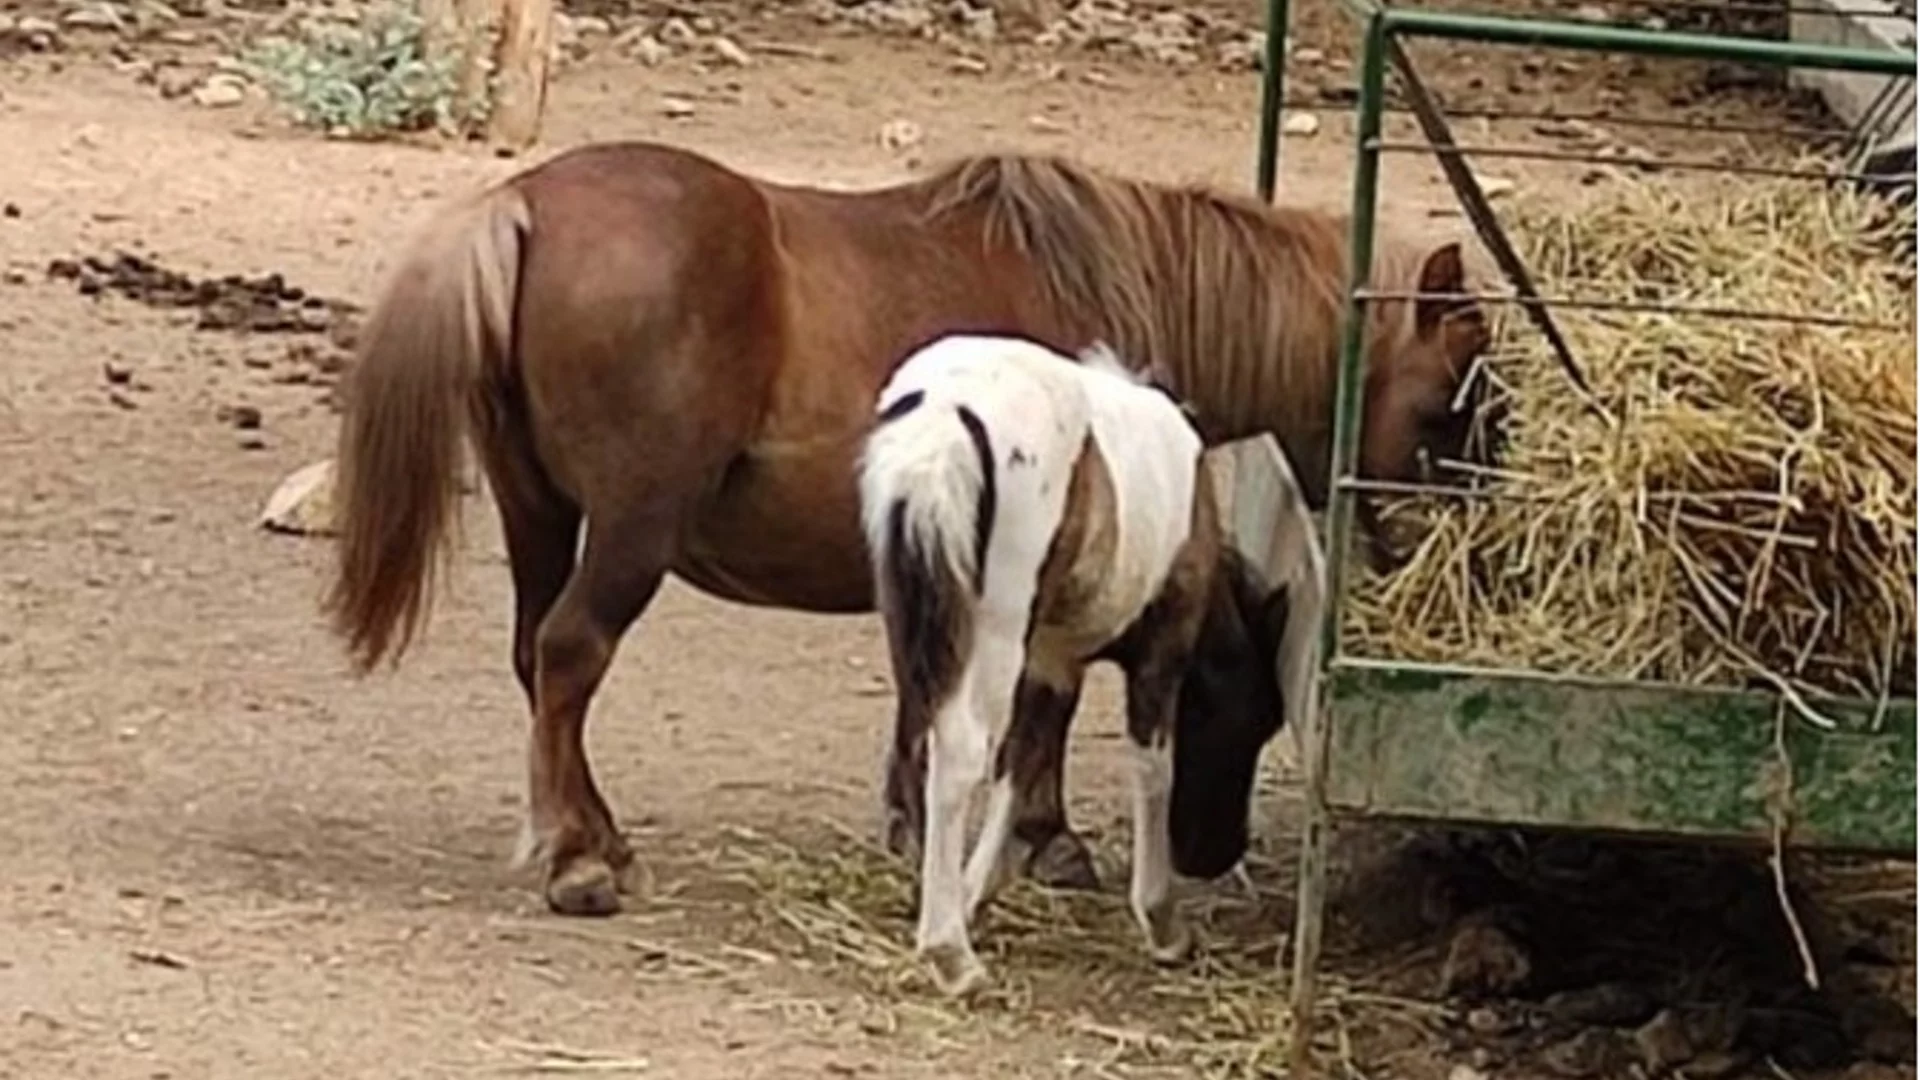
1543, 33
1603, 683
1273, 78
1646, 306
1713, 7
1466, 187
1821, 134
1524, 153
1310, 898
1864, 138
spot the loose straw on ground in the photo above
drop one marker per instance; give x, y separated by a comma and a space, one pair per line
1749, 519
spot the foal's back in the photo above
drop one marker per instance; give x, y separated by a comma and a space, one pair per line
1094, 478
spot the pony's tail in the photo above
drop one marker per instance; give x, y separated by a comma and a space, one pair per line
434, 349
927, 494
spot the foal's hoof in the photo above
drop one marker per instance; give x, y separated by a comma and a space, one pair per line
957, 970
584, 887
900, 837
1064, 862
1170, 943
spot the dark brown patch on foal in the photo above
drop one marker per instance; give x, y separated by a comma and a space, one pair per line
989, 496
930, 636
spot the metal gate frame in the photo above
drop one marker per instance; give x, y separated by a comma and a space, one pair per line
1384, 733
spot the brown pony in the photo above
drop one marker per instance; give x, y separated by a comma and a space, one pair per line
682, 361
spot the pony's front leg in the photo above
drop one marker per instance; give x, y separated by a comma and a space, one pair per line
1151, 698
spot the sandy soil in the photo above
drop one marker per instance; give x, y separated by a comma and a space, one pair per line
223, 857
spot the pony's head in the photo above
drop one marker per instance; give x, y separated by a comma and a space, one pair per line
1424, 387
1229, 709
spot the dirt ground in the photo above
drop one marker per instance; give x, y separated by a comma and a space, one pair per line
223, 857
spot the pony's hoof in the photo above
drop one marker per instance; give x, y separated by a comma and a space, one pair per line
584, 887
1064, 862
957, 970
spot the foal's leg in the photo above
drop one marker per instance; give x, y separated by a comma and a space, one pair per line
573, 833
957, 763
1051, 853
1035, 755
1153, 691
1017, 833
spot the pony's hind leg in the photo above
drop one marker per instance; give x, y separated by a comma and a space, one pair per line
573, 832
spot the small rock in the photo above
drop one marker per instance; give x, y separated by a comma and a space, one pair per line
13, 276
41, 35
117, 374
1484, 960
220, 92
175, 82
1664, 1041
1592, 13
153, 14
730, 52
678, 33
1607, 1004
1488, 1021
10, 211
93, 17
901, 134
1309, 57
1494, 187
643, 47
243, 417
303, 503
253, 440
1594, 1052
121, 400
967, 65
1045, 123
1304, 124
591, 25
1717, 1065
1465, 1072
676, 108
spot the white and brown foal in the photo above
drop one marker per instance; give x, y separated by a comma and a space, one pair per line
1028, 514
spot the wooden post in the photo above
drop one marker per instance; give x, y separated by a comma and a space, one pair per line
520, 84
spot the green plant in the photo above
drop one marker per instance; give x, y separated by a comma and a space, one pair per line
363, 76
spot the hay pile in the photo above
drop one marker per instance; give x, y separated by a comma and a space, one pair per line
1740, 508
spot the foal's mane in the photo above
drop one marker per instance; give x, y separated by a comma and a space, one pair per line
1241, 303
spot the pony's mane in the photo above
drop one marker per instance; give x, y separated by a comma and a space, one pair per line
1239, 302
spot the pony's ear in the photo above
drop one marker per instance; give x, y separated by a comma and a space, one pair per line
1443, 272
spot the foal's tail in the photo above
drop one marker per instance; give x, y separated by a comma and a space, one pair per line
434, 350
927, 496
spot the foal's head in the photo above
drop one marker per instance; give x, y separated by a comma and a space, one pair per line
1229, 709
1419, 409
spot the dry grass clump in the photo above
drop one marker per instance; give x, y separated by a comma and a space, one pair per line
1068, 963
1739, 508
